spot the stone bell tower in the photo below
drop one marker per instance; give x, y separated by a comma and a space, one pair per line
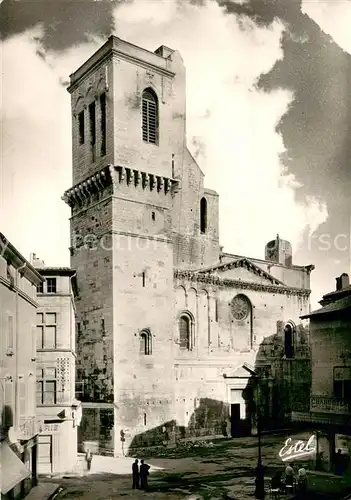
128, 130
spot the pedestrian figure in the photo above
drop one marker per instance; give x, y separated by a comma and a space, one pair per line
302, 480
88, 458
144, 472
135, 472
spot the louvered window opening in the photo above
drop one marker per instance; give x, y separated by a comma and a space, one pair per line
184, 332
149, 118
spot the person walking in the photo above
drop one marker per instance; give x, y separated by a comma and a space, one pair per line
88, 458
144, 472
136, 475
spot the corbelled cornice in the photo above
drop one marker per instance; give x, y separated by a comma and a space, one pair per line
86, 188
130, 176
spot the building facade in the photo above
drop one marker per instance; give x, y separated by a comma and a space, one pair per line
55, 370
19, 423
329, 412
171, 331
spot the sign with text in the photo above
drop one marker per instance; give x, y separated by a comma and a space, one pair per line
293, 450
49, 428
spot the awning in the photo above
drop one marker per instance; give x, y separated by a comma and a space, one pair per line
13, 470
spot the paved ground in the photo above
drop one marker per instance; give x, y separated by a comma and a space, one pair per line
43, 491
223, 470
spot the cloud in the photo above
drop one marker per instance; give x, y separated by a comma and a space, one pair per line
231, 124
333, 18
36, 145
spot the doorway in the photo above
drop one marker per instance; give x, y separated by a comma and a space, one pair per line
235, 422
44, 454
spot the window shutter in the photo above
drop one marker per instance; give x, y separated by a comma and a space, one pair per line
149, 117
145, 135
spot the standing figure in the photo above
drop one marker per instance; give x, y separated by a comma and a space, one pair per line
289, 478
88, 458
135, 472
302, 479
144, 472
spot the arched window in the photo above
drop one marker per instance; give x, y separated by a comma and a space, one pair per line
203, 215
150, 116
145, 342
289, 341
185, 332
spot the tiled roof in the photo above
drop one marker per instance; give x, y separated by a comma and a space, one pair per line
339, 305
55, 270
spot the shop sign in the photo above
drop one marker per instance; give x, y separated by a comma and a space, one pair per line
49, 428
292, 451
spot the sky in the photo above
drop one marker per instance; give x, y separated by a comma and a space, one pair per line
268, 116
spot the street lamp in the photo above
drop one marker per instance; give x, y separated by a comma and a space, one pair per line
259, 480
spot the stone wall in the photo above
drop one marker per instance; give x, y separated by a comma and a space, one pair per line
96, 430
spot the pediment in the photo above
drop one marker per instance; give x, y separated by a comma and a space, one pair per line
243, 270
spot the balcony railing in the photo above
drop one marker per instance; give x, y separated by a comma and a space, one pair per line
329, 404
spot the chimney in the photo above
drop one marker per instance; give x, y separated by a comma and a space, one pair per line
342, 282
35, 261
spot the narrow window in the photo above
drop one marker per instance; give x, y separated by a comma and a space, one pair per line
51, 285
92, 129
22, 397
203, 215
34, 343
50, 331
342, 383
216, 310
153, 215
145, 343
103, 123
81, 127
144, 418
79, 329
143, 279
150, 117
40, 330
289, 341
184, 332
103, 326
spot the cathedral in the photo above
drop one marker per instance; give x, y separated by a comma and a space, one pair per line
175, 337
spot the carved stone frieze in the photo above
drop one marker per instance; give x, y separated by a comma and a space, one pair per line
209, 279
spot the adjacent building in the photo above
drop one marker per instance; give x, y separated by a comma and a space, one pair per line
55, 370
174, 336
19, 424
329, 412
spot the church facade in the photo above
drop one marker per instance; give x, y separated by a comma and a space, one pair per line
174, 337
